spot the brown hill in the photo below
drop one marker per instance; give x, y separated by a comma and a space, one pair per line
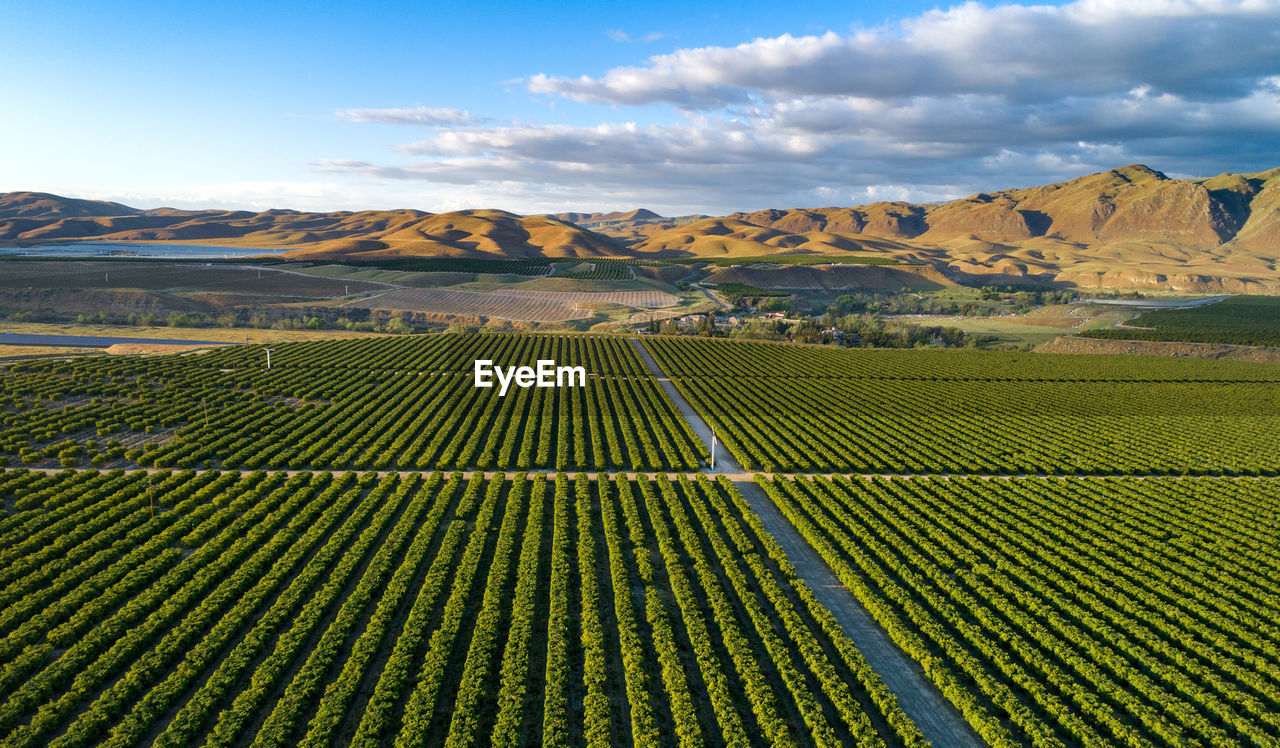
630, 216
29, 218
41, 205
1130, 227
628, 227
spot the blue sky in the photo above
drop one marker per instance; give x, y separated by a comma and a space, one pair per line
680, 107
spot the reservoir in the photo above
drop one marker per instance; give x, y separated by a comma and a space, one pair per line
134, 249
93, 341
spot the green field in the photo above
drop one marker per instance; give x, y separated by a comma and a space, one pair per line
792, 259
1240, 320
1074, 550
978, 412
360, 403
432, 609
186, 277
590, 268
1005, 331
1069, 612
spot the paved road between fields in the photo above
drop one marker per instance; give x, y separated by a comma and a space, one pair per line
725, 462
941, 724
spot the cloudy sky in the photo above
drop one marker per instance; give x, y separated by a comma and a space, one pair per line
678, 107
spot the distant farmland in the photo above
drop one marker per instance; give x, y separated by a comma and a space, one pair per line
187, 276
1242, 320
528, 306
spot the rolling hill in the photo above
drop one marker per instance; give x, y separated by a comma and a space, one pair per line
33, 218
1131, 227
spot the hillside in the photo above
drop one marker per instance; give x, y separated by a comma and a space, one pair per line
33, 218
1130, 227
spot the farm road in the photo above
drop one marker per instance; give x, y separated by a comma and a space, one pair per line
941, 724
725, 462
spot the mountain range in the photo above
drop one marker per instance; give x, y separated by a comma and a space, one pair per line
1130, 227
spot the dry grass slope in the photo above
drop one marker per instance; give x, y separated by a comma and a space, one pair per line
1130, 227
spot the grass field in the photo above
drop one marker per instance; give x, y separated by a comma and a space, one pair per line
24, 351
1006, 331
174, 277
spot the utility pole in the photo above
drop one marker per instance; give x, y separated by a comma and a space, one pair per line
205, 403
713, 447
268, 350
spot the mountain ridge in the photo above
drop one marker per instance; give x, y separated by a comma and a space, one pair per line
1131, 226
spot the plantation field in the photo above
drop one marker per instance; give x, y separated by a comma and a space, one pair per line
220, 334
405, 403
792, 259
458, 265
591, 268
979, 412
1081, 611
1072, 550
694, 357
1240, 320
513, 304
161, 276
332, 608
596, 268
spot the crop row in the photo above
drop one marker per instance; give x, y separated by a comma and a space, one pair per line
1240, 320
198, 417
899, 426
321, 608
1068, 611
445, 352
693, 357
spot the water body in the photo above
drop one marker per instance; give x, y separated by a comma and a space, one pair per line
1158, 304
93, 341
128, 249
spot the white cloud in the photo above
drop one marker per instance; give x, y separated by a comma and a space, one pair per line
420, 115
247, 195
618, 35
1203, 50
941, 105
